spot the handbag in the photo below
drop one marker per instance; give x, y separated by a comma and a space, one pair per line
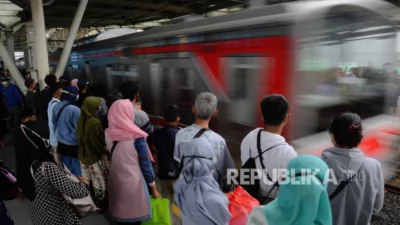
160, 212
83, 206
8, 184
240, 205
255, 189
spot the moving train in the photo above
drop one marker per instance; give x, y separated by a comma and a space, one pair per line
298, 49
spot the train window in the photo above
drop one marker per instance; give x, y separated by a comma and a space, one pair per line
119, 73
242, 75
183, 77
52, 69
165, 81
237, 89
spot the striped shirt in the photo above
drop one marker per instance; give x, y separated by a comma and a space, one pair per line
141, 119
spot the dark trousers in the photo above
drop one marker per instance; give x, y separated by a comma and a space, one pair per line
14, 113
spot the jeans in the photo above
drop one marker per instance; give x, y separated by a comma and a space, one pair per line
73, 164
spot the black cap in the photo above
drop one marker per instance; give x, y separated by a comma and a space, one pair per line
82, 83
65, 77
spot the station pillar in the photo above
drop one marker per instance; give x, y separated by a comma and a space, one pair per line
10, 43
10, 64
41, 54
73, 30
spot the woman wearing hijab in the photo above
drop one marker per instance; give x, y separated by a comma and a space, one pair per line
49, 207
92, 146
364, 193
197, 193
302, 198
131, 170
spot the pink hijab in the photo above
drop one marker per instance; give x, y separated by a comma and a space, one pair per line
120, 122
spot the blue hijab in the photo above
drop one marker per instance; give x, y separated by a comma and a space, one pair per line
197, 193
306, 203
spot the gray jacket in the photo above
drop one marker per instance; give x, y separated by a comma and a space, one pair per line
364, 195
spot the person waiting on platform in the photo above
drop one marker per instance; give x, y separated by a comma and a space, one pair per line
56, 91
277, 153
13, 99
204, 108
100, 90
30, 93
360, 189
138, 103
302, 200
83, 86
130, 90
27, 139
45, 97
197, 194
164, 141
65, 119
51, 182
131, 171
92, 148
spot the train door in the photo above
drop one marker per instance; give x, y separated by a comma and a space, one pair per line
174, 83
242, 73
116, 74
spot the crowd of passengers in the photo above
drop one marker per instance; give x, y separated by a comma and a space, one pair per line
105, 145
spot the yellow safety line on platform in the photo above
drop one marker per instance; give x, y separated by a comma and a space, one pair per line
176, 210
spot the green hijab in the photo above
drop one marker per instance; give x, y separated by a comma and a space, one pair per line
90, 133
306, 203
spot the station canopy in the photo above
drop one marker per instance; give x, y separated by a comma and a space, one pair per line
100, 13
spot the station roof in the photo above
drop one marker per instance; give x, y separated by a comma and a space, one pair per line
59, 13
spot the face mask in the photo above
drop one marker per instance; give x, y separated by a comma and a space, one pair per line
4, 83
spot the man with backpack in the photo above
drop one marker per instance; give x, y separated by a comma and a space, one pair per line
65, 119
56, 91
275, 152
204, 109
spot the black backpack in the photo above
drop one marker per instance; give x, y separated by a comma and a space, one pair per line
255, 189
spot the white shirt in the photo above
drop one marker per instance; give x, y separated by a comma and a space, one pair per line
276, 158
53, 136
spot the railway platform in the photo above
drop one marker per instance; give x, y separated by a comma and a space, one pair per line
20, 210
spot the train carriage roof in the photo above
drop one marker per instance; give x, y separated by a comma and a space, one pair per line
286, 13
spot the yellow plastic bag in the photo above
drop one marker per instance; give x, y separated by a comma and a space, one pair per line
160, 212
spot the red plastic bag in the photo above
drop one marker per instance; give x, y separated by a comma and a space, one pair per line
240, 205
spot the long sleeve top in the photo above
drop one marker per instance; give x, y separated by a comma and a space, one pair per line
53, 135
66, 123
12, 95
49, 206
144, 160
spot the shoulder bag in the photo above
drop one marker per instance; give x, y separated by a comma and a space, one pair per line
83, 206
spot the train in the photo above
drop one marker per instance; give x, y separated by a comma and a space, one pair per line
302, 50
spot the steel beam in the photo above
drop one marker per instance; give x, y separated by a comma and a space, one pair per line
71, 37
